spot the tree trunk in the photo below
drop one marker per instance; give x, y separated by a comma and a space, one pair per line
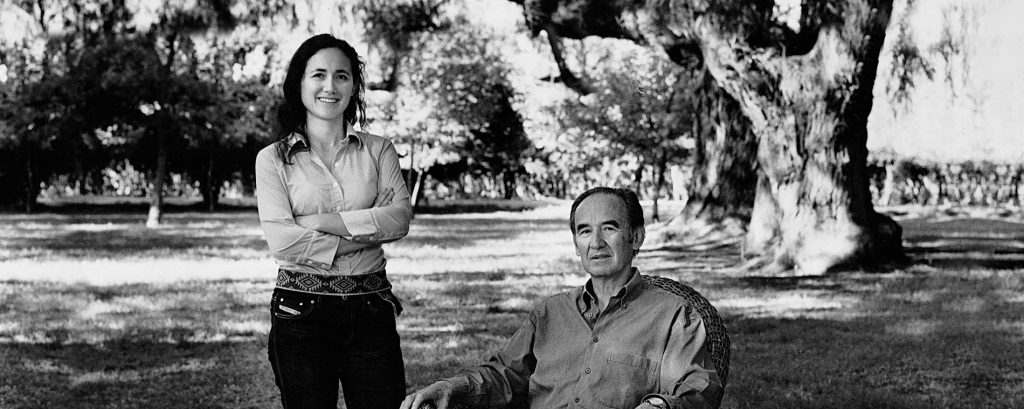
721, 189
211, 190
888, 184
417, 186
812, 128
660, 170
638, 179
807, 99
508, 182
31, 186
156, 196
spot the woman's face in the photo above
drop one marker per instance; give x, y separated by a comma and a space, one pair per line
327, 85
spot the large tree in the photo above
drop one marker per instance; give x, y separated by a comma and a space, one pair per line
807, 92
720, 191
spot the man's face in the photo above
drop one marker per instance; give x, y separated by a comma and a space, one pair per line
604, 239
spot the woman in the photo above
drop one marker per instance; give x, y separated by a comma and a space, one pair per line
328, 197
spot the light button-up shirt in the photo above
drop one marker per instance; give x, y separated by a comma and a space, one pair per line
363, 166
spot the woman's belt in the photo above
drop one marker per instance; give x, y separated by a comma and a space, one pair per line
340, 285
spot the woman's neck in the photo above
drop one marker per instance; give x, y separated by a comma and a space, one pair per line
322, 132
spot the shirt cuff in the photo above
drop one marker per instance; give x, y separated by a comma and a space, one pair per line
461, 387
696, 398
321, 250
667, 399
360, 224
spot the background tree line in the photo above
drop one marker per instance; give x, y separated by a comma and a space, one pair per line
765, 104
190, 90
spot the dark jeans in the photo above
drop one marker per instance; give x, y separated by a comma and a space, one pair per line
318, 340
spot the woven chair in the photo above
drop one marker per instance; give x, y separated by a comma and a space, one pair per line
717, 342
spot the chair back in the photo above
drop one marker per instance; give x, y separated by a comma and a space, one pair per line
717, 342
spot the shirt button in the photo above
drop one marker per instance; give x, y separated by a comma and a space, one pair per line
624, 305
577, 400
587, 370
595, 340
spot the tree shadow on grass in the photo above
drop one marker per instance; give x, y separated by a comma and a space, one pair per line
128, 241
944, 244
137, 206
134, 373
458, 232
823, 363
965, 243
479, 206
911, 341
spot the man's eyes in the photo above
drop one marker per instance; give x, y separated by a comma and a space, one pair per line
610, 229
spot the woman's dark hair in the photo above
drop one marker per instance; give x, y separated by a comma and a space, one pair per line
291, 113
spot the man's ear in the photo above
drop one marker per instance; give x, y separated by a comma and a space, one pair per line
638, 238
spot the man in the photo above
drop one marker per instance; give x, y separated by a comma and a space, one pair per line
617, 342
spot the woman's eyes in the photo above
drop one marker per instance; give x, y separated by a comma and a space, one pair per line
320, 75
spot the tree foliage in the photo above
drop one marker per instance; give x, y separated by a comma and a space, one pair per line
642, 105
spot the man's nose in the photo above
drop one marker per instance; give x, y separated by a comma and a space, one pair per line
598, 240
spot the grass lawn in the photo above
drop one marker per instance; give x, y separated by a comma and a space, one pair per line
99, 312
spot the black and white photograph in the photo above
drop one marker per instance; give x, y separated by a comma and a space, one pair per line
586, 204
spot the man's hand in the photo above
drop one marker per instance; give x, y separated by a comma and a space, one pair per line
436, 395
384, 197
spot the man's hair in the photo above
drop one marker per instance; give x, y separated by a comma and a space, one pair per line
632, 202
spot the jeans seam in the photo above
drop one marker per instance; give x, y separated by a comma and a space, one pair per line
280, 375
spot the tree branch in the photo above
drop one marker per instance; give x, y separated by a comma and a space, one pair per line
568, 78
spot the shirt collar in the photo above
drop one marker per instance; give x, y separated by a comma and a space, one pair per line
626, 294
297, 141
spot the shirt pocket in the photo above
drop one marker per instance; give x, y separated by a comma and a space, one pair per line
624, 380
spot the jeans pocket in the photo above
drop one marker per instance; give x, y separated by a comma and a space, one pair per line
390, 300
291, 305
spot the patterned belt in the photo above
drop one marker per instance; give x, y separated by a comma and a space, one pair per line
340, 285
